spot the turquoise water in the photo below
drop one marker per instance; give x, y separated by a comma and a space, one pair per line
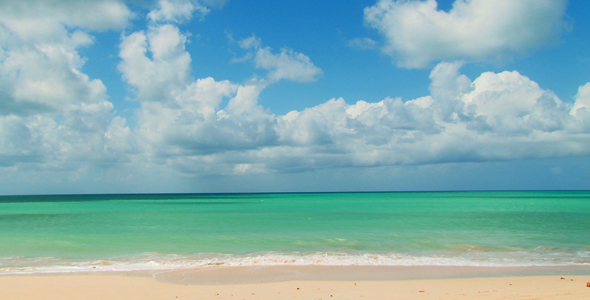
127, 232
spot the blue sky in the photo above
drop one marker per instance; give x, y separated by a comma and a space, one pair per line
116, 96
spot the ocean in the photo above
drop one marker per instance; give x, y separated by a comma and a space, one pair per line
84, 233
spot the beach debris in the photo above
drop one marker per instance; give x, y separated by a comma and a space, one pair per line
421, 291
297, 288
587, 284
355, 283
571, 280
562, 278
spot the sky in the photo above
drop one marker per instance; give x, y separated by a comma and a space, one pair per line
182, 96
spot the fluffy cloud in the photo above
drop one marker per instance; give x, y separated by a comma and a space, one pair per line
496, 117
180, 11
52, 115
206, 126
168, 69
177, 11
203, 125
417, 33
41, 20
582, 103
287, 64
183, 121
39, 61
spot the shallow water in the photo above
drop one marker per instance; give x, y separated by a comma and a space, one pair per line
133, 232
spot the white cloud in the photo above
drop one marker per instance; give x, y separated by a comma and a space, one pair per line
54, 117
581, 110
41, 20
446, 86
513, 103
417, 33
287, 64
249, 42
185, 122
582, 104
180, 11
177, 11
159, 77
206, 126
498, 116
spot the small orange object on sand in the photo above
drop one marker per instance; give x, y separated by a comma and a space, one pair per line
587, 284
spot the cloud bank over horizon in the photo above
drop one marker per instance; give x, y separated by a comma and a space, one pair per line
56, 121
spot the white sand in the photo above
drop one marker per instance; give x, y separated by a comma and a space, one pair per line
90, 287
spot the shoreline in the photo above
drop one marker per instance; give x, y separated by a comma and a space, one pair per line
219, 275
267, 283
267, 274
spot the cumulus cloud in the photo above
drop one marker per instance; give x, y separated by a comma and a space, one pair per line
205, 126
217, 127
195, 124
183, 121
498, 116
41, 20
39, 61
177, 11
417, 32
52, 115
180, 11
287, 64
168, 69
582, 103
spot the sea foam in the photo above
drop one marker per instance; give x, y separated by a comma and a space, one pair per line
156, 261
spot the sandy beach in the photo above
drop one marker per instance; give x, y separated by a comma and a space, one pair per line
174, 285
